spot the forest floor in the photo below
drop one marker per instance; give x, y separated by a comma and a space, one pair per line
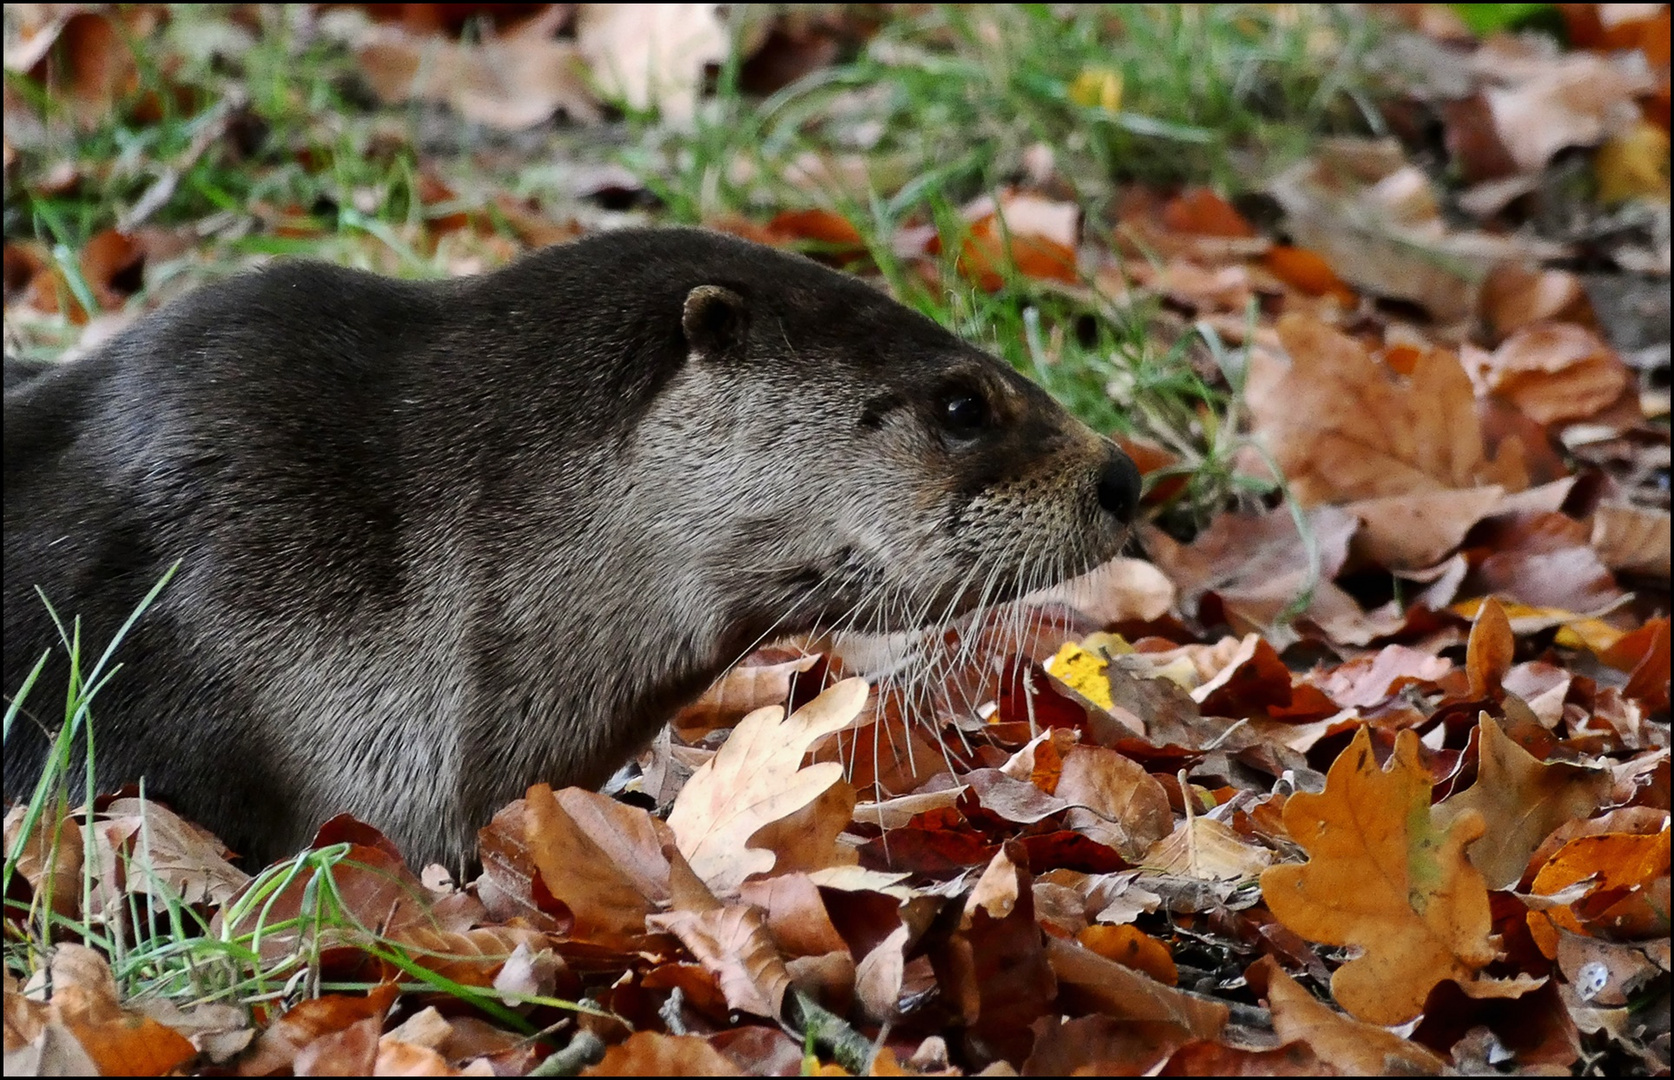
1357, 761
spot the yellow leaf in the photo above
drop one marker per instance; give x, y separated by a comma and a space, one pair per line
1082, 672
1633, 165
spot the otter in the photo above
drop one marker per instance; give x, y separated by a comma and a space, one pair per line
438, 541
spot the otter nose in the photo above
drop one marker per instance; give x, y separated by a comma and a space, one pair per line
1119, 487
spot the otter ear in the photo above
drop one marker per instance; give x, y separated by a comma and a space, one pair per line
715, 321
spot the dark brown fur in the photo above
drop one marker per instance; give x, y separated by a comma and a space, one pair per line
441, 541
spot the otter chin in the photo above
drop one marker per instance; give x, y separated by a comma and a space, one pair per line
410, 518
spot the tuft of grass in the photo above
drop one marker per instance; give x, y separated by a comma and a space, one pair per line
158, 944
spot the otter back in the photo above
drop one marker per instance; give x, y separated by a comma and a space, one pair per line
439, 541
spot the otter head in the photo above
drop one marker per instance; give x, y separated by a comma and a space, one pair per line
845, 463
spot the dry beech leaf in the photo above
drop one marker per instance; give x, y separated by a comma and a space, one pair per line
651, 1053
1349, 1046
1377, 224
162, 847
1521, 800
472, 957
50, 861
1344, 427
601, 858
510, 81
1034, 235
1634, 539
745, 688
1201, 847
1572, 100
1103, 985
1130, 946
1119, 590
755, 779
280, 1042
1419, 529
1114, 800
1257, 566
1554, 372
84, 1003
1633, 866
1382, 876
730, 940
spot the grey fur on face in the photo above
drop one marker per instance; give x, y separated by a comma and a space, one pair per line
440, 541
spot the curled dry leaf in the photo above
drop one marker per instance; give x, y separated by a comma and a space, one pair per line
1114, 801
762, 679
1349, 1046
1376, 221
80, 1001
600, 858
1117, 591
1382, 876
1572, 100
1634, 539
510, 81
1555, 372
730, 940
280, 1042
1489, 652
755, 779
651, 1053
1630, 874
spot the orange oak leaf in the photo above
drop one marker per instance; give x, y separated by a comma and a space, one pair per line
1382, 876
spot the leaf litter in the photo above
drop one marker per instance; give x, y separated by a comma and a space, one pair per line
1370, 776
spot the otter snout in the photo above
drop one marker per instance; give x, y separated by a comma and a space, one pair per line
1118, 487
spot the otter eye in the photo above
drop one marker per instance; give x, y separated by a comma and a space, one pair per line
963, 413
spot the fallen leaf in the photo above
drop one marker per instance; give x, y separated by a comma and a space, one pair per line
1572, 100
81, 998
1093, 983
1554, 372
1489, 652
1350, 1046
651, 1053
763, 678
1202, 847
280, 1042
1634, 539
1129, 946
1117, 591
1114, 800
729, 940
600, 858
1633, 164
1627, 869
1376, 221
1384, 877
755, 779
511, 81
1344, 427
1521, 800
652, 55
